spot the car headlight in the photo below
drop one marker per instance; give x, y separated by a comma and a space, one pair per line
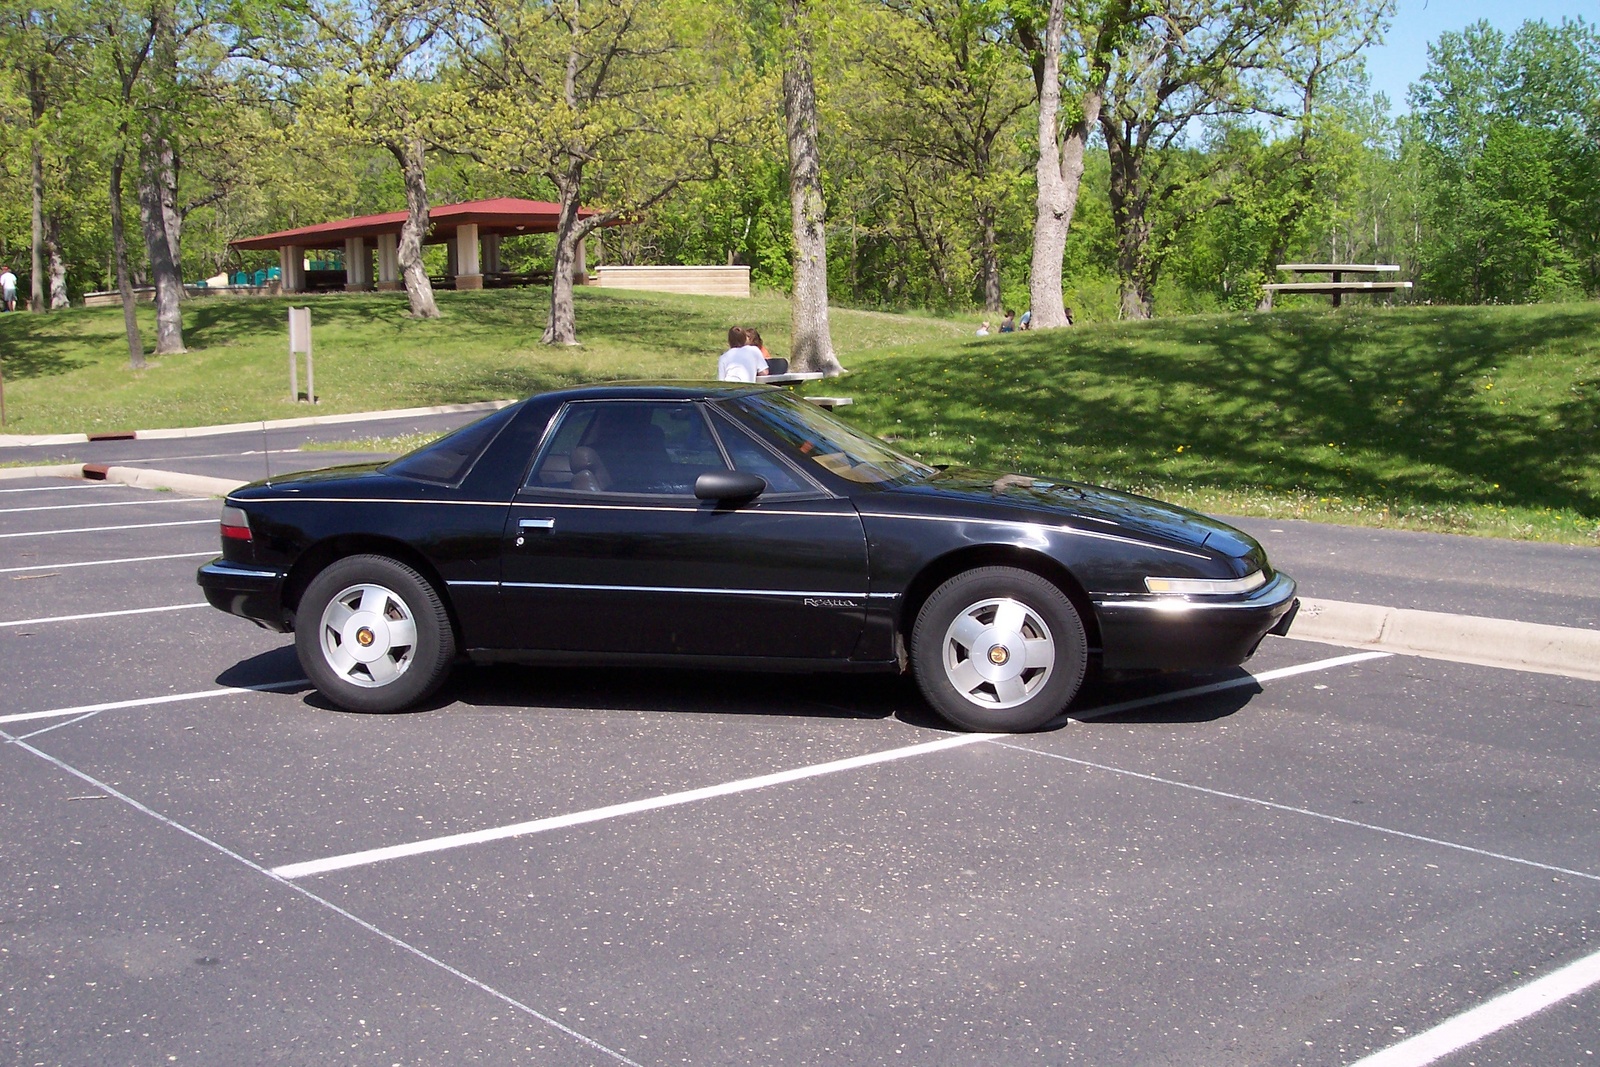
1206, 586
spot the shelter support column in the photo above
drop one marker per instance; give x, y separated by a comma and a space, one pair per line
292, 268
357, 265
491, 253
469, 275
580, 264
388, 262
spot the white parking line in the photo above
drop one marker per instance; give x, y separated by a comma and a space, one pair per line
1219, 687
107, 529
1275, 806
1497, 1014
169, 698
111, 504
104, 562
612, 811
405, 946
63, 488
103, 614
744, 785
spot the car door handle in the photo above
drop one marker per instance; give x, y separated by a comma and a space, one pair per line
524, 525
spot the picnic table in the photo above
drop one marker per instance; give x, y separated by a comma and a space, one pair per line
1338, 286
829, 402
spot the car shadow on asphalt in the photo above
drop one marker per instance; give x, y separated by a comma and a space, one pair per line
278, 666
1165, 697
734, 693
814, 696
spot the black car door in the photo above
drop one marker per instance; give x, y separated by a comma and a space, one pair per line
607, 550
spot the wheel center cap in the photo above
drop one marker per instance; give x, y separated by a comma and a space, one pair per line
999, 655
366, 637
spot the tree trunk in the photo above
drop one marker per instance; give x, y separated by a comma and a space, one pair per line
1060, 173
36, 301
119, 244
811, 344
58, 266
414, 174
562, 329
1130, 218
988, 243
159, 215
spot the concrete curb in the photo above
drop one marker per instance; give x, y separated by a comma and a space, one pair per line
172, 481
21, 440
1523, 646
54, 470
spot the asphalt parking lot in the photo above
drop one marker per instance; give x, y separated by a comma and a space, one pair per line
1304, 864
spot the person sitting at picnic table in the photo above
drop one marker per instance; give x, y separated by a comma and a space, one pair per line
1009, 323
1027, 319
742, 362
775, 364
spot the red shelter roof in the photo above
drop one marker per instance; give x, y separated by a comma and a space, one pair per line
504, 215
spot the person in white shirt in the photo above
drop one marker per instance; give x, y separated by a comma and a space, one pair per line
8, 288
742, 361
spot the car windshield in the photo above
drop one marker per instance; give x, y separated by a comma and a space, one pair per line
829, 443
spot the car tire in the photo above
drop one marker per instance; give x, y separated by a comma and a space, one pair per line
373, 635
998, 649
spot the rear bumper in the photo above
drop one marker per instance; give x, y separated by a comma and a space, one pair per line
1169, 633
250, 592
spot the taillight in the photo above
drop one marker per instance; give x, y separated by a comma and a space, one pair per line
235, 524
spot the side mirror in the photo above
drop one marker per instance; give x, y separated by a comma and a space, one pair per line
728, 485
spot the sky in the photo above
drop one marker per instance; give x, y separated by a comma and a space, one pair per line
1417, 23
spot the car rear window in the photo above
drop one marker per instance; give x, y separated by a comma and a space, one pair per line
448, 459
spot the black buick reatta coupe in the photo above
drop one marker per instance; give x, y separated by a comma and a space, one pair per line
732, 526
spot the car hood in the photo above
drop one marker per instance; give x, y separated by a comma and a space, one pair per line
1093, 506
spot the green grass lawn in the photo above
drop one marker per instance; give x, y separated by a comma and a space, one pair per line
1476, 420
1480, 420
68, 372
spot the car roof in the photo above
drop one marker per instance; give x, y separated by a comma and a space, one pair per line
659, 390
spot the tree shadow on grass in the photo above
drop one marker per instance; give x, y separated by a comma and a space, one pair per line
1383, 405
37, 346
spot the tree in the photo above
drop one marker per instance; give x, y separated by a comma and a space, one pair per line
371, 67
38, 41
811, 342
934, 97
1097, 31
1507, 134
616, 103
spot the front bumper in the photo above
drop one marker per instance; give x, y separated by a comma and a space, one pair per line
248, 591
1171, 633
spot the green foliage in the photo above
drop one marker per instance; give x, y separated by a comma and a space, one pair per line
1506, 130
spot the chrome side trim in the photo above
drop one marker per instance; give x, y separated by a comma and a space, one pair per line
692, 589
586, 506
489, 584
361, 500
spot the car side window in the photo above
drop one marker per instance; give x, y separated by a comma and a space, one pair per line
750, 457
629, 446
